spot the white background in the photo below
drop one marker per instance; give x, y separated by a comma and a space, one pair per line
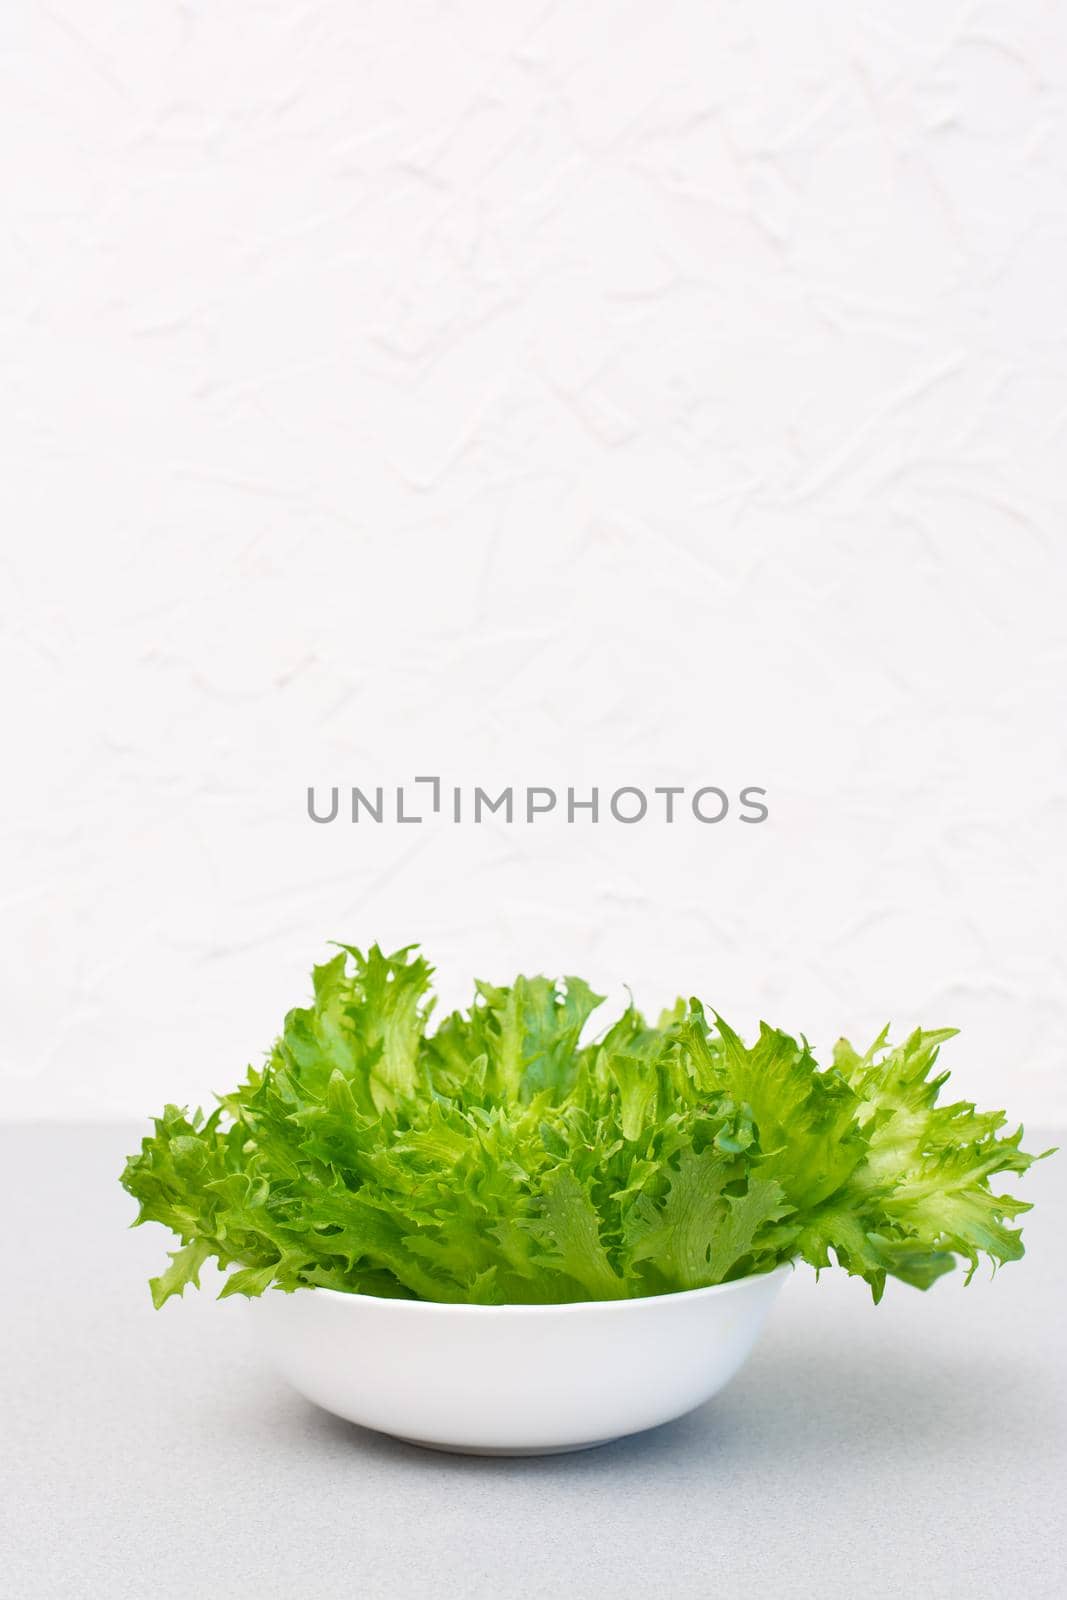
576, 394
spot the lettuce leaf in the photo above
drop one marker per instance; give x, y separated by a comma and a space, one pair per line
500, 1159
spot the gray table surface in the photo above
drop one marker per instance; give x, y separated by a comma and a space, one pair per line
916, 1449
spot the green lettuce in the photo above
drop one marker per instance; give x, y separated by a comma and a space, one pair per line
497, 1158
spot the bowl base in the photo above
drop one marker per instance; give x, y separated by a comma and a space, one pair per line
502, 1450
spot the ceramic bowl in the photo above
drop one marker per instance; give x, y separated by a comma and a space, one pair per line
516, 1379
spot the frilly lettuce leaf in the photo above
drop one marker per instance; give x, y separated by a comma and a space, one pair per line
502, 1159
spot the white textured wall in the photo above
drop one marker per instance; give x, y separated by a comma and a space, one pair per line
591, 393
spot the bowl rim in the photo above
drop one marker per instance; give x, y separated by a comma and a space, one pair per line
523, 1308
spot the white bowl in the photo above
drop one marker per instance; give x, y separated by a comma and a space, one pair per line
516, 1379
